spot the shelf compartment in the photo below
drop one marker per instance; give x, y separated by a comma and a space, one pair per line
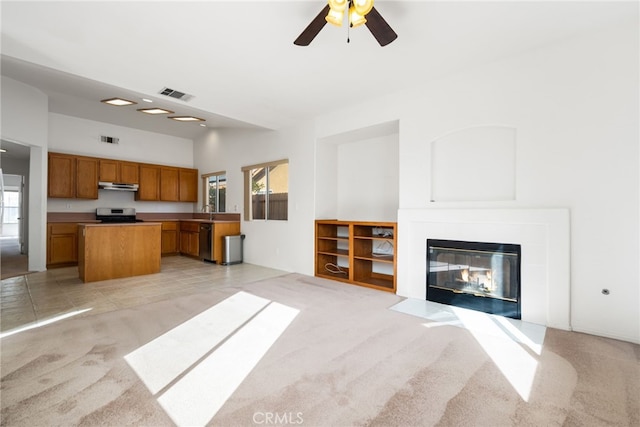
374, 249
364, 272
334, 262
333, 245
375, 230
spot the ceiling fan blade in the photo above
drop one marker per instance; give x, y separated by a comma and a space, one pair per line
313, 28
379, 28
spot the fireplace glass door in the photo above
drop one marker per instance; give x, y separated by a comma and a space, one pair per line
475, 275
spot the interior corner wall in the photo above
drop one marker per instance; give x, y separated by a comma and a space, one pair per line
326, 181
285, 245
24, 119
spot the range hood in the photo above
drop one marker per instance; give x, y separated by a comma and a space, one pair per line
117, 186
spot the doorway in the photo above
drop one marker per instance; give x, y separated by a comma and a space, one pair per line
13, 258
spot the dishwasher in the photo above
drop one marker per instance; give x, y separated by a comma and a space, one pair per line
205, 242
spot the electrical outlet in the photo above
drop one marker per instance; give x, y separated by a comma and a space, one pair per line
68, 205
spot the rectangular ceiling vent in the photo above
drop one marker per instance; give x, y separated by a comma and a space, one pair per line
109, 139
175, 94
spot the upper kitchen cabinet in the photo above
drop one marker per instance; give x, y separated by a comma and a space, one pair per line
149, 188
72, 176
188, 185
119, 171
62, 176
169, 184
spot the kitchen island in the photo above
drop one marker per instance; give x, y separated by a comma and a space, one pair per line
112, 251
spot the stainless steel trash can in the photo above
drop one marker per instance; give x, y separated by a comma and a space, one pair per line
232, 249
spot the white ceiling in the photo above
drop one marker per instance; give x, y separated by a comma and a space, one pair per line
238, 59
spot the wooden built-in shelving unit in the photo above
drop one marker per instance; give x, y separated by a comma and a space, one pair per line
357, 252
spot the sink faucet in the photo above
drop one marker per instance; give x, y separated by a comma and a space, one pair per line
208, 208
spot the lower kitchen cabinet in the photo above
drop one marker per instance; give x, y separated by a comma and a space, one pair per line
170, 232
113, 251
62, 244
190, 238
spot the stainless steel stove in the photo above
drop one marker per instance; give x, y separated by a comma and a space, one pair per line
116, 215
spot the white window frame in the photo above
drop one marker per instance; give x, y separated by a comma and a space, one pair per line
246, 170
205, 191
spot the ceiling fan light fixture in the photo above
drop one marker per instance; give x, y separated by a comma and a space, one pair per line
355, 19
335, 17
338, 5
363, 6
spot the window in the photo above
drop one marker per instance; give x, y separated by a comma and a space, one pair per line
215, 191
266, 191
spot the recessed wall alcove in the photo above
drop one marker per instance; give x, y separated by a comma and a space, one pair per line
357, 174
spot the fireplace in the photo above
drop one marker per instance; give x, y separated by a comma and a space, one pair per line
480, 276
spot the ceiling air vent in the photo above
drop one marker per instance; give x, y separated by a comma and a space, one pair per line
175, 94
109, 139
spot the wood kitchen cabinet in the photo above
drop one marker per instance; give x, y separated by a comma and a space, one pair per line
149, 184
219, 230
112, 251
86, 178
72, 176
188, 185
170, 233
190, 238
118, 171
62, 244
169, 184
62, 176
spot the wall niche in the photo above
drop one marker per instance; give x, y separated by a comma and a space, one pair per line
357, 174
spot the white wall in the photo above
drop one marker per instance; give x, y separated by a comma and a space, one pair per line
80, 136
367, 184
574, 106
24, 119
285, 245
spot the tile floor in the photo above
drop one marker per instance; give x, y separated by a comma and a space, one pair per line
37, 297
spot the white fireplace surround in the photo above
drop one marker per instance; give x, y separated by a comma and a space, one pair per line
542, 233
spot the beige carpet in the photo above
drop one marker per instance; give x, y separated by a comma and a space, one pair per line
344, 359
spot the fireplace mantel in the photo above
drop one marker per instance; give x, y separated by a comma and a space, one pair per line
542, 233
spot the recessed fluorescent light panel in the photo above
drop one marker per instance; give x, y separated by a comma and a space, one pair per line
155, 111
186, 119
118, 102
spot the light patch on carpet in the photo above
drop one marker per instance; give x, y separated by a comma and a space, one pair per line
199, 395
44, 322
162, 360
501, 338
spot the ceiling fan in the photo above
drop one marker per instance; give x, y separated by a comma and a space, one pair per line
359, 12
